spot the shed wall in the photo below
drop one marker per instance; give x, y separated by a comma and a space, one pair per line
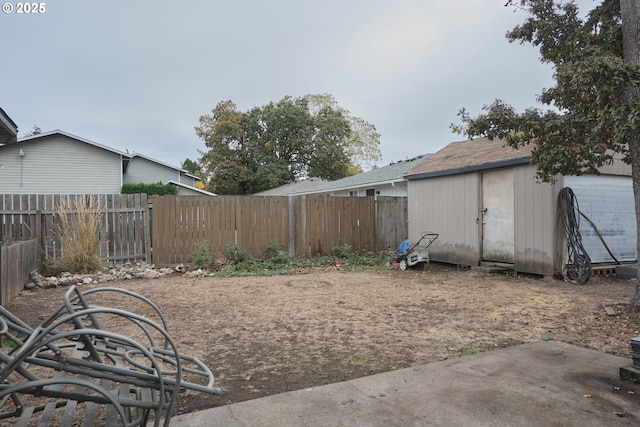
618, 167
535, 222
447, 206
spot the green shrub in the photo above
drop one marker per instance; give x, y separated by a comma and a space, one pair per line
157, 189
342, 251
275, 254
202, 256
236, 254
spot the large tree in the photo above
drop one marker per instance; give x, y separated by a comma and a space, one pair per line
595, 104
363, 141
224, 164
281, 142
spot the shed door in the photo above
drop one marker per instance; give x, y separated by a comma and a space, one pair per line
608, 202
497, 215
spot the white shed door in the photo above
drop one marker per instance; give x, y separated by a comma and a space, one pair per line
497, 215
608, 202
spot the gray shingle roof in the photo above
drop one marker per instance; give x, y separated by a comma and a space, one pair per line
285, 190
386, 174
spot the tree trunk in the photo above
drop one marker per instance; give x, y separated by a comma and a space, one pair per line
630, 12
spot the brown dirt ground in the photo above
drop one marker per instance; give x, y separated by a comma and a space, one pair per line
267, 335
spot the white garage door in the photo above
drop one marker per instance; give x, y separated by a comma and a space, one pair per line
608, 202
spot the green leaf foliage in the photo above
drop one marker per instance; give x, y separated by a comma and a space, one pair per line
588, 120
190, 166
282, 142
157, 189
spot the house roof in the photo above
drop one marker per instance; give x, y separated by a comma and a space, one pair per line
125, 155
196, 189
467, 156
293, 187
383, 175
31, 138
8, 129
183, 171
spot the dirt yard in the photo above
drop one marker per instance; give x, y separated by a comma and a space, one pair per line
267, 335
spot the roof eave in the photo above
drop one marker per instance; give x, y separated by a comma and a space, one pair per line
189, 187
350, 187
471, 168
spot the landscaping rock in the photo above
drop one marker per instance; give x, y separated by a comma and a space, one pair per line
126, 271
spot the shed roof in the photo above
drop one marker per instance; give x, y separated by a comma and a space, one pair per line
386, 174
467, 156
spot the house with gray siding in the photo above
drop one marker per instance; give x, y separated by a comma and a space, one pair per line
382, 181
141, 168
57, 162
486, 204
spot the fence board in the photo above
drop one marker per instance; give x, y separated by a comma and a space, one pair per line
391, 222
306, 225
17, 261
121, 216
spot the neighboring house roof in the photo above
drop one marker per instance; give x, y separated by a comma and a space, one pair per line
8, 129
126, 157
182, 171
468, 156
195, 189
27, 139
390, 174
285, 190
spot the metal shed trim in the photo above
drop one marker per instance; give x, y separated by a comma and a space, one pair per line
470, 168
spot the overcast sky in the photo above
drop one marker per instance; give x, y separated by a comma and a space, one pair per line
137, 75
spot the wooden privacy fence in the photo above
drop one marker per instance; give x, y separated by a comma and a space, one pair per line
17, 261
305, 225
123, 234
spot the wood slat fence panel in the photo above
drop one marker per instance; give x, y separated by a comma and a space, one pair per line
123, 224
306, 225
17, 261
392, 222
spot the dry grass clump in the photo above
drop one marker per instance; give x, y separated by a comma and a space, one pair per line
78, 230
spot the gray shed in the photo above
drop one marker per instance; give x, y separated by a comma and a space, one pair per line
485, 202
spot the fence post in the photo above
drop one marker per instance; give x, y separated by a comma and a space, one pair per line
293, 225
148, 202
3, 273
39, 237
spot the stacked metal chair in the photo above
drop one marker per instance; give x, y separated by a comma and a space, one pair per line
89, 365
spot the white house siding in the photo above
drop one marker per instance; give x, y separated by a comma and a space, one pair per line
397, 190
448, 206
143, 170
59, 165
535, 220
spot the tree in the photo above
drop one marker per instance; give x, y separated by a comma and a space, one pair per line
281, 142
279, 138
595, 103
190, 166
35, 131
362, 146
